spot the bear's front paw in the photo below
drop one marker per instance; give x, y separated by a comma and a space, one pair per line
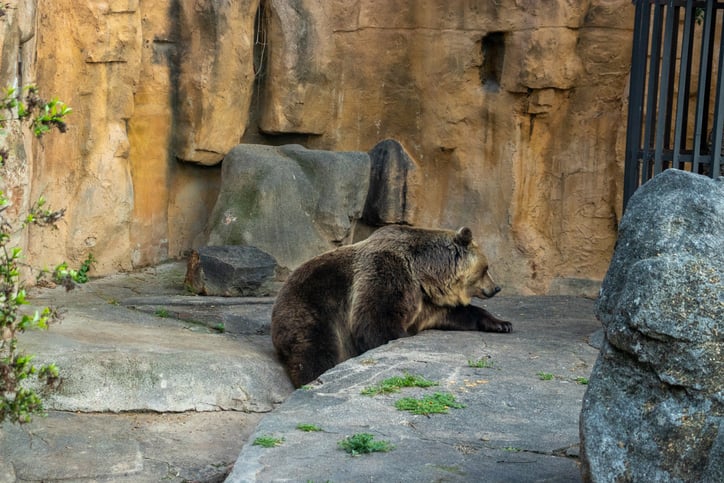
497, 326
505, 327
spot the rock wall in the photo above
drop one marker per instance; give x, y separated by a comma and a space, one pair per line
512, 110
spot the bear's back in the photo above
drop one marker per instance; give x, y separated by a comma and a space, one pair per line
320, 286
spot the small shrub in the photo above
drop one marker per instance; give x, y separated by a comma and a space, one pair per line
17, 403
268, 441
163, 313
68, 277
582, 380
308, 428
437, 403
394, 384
545, 376
364, 443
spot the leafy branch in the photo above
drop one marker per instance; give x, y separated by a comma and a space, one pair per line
44, 115
17, 402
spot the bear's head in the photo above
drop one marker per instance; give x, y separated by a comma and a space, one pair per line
476, 278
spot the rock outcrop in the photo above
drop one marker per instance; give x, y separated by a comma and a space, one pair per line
214, 78
654, 407
231, 271
291, 202
393, 177
297, 203
512, 110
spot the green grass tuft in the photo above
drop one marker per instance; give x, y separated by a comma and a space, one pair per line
268, 441
394, 384
363, 443
484, 363
437, 403
308, 428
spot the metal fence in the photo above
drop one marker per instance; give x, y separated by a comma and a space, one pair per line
676, 93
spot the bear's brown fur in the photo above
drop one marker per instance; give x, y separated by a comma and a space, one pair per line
397, 282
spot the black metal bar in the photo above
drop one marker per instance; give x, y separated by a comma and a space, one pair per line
664, 114
682, 100
668, 131
636, 93
702, 93
651, 93
715, 164
705, 131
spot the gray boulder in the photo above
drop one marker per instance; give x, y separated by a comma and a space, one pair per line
291, 202
231, 271
653, 409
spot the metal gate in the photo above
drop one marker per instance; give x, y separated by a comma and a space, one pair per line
676, 92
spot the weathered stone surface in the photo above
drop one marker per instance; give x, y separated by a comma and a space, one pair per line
114, 358
298, 94
231, 271
231, 315
545, 58
289, 201
215, 77
392, 177
512, 110
125, 447
655, 404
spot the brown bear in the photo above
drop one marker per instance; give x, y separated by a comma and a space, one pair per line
397, 282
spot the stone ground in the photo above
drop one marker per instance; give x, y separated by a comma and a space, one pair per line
162, 386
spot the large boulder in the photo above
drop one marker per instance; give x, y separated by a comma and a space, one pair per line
289, 201
295, 203
654, 407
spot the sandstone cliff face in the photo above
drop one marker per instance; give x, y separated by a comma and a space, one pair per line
512, 110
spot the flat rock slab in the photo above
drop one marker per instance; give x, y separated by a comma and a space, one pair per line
115, 358
231, 315
515, 425
112, 358
129, 448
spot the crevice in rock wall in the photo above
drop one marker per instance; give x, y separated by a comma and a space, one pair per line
261, 42
171, 52
252, 134
491, 70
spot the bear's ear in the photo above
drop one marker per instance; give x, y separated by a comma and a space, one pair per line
464, 236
